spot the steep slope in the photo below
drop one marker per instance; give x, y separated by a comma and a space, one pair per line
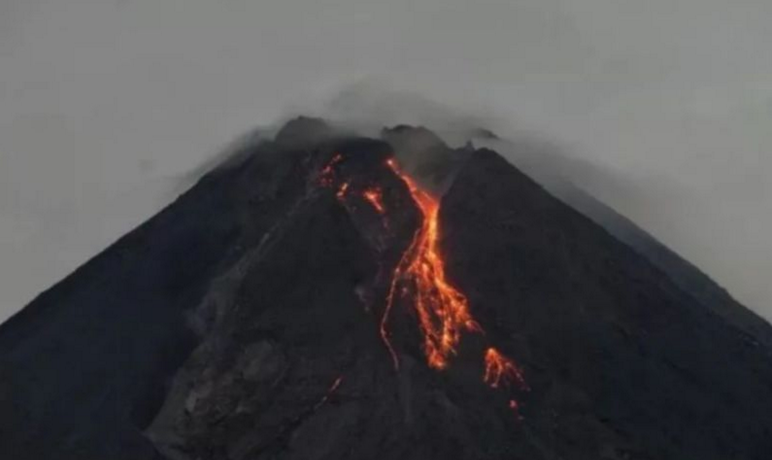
620, 359
85, 366
317, 297
556, 172
688, 277
298, 367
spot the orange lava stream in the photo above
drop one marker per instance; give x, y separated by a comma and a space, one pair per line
501, 370
443, 311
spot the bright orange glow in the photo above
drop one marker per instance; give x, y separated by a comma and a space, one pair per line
443, 311
501, 370
373, 195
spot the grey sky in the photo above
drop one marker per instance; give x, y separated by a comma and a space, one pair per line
104, 103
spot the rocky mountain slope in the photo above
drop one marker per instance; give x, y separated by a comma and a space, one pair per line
325, 296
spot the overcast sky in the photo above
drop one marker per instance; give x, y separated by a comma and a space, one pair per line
104, 104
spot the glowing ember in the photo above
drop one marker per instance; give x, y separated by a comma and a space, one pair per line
342, 191
501, 370
373, 195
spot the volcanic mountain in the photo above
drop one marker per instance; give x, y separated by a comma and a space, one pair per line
321, 295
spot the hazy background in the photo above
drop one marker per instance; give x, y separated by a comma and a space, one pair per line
105, 104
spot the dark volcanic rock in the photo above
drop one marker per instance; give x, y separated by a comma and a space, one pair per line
87, 362
612, 345
688, 277
243, 322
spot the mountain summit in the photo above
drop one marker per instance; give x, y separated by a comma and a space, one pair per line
326, 296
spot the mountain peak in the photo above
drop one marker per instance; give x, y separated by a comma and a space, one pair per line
302, 131
347, 297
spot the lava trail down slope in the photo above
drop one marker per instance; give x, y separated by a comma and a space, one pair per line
443, 312
325, 296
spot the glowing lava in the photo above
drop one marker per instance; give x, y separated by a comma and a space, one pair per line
501, 370
373, 195
443, 311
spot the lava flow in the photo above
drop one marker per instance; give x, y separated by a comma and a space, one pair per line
443, 311
501, 370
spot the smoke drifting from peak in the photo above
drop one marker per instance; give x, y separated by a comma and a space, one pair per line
655, 201
659, 108
369, 106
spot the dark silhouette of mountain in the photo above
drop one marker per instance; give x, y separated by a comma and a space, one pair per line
688, 277
287, 306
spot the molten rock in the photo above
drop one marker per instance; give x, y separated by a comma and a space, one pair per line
329, 297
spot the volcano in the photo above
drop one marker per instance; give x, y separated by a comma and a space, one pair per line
321, 295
